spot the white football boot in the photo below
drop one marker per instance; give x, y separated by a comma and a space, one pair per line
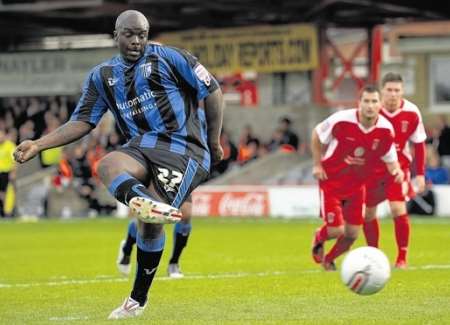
174, 272
130, 308
150, 211
123, 262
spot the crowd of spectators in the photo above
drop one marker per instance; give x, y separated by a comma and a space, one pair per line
75, 165
32, 117
250, 147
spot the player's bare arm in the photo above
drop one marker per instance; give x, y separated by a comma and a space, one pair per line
316, 148
67, 133
214, 118
420, 182
395, 170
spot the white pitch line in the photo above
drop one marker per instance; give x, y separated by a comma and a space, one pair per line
60, 283
108, 278
68, 318
430, 267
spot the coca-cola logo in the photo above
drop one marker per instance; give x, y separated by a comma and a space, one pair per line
229, 204
242, 204
201, 204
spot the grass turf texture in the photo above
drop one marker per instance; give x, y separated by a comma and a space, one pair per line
238, 271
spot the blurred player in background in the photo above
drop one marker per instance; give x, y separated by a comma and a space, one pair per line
155, 93
7, 170
408, 127
181, 234
355, 139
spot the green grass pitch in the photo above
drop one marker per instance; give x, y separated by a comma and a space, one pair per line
238, 271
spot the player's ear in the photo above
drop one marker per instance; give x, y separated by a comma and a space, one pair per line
116, 35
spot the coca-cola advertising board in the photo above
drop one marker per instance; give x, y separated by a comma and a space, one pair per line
230, 202
263, 201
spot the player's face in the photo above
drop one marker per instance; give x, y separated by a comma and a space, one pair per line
131, 38
392, 94
370, 105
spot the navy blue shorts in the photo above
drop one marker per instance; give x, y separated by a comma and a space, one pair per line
174, 176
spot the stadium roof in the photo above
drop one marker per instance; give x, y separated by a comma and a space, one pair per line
22, 20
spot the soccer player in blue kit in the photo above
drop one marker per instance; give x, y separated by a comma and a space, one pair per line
170, 110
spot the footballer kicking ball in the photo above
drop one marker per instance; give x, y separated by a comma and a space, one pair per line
365, 270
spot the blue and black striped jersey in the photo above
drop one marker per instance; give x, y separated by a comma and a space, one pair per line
155, 100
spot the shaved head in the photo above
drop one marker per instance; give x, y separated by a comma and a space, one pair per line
131, 35
131, 16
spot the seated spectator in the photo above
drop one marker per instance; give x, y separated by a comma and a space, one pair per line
26, 131
276, 140
246, 135
251, 152
434, 172
444, 137
288, 136
247, 140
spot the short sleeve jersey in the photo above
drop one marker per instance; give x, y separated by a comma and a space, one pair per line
346, 138
408, 127
155, 100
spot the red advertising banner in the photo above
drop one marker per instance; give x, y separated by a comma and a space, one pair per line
229, 203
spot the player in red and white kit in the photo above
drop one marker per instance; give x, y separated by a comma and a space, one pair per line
355, 140
408, 127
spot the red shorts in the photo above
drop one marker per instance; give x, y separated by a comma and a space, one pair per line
382, 187
335, 209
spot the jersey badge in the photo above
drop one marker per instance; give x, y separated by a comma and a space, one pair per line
359, 151
112, 81
375, 144
202, 74
146, 69
405, 126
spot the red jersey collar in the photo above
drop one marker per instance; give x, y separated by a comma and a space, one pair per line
397, 111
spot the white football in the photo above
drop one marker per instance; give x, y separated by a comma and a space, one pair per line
365, 270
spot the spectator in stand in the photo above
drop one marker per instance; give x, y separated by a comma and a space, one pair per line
51, 156
245, 146
17, 110
82, 181
246, 135
26, 131
7, 170
434, 172
276, 140
95, 153
9, 122
433, 132
35, 113
253, 151
288, 136
443, 147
